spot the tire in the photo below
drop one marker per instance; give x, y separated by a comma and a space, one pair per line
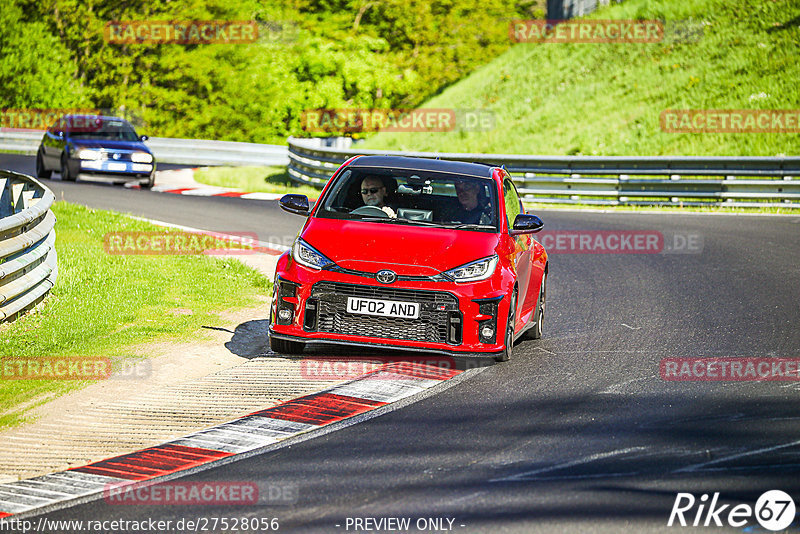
508, 347
150, 182
41, 171
283, 346
65, 174
538, 319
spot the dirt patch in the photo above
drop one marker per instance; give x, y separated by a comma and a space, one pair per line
228, 372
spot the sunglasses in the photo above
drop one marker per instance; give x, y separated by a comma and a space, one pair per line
371, 190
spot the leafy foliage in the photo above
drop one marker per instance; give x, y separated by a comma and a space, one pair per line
607, 99
310, 54
35, 66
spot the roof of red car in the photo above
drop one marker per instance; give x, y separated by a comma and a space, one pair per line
425, 164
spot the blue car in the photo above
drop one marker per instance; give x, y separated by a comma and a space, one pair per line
95, 145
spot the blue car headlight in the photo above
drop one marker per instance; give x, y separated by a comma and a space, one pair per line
306, 255
475, 270
89, 154
141, 157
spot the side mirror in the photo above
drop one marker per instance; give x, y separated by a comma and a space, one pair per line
297, 204
143, 138
526, 224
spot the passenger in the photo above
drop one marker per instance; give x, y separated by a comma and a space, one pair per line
474, 207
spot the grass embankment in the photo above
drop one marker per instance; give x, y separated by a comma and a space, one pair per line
606, 99
103, 304
253, 180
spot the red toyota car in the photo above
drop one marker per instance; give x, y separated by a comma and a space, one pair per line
413, 254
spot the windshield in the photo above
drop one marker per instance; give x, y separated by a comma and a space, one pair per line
114, 130
412, 197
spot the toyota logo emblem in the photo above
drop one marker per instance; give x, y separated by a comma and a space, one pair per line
115, 156
386, 276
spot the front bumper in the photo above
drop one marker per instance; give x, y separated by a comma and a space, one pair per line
380, 346
122, 169
451, 317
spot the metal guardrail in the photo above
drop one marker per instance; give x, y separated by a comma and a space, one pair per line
172, 150
617, 180
28, 261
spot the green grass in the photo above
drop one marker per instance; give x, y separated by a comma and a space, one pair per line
253, 180
606, 99
102, 305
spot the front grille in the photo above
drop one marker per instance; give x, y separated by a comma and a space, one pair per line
123, 156
439, 319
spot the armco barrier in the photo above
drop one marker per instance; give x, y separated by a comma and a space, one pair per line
170, 150
28, 262
618, 180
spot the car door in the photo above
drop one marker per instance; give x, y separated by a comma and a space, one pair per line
522, 254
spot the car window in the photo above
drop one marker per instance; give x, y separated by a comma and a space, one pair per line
73, 124
511, 201
420, 198
110, 129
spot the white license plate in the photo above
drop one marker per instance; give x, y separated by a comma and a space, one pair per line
384, 308
117, 167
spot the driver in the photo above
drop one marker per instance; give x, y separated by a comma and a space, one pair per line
373, 193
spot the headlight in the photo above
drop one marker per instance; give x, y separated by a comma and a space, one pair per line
305, 254
88, 153
474, 271
141, 157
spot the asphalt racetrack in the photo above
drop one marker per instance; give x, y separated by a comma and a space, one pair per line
579, 432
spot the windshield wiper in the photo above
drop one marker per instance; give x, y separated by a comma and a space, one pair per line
402, 221
376, 219
424, 223
474, 226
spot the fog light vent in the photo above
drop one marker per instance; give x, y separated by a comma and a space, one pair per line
454, 328
310, 317
487, 329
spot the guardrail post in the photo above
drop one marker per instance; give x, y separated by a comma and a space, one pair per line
6, 208
17, 198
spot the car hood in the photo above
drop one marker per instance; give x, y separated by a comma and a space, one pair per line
109, 144
407, 250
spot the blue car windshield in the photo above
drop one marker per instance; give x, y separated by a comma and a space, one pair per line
412, 197
113, 130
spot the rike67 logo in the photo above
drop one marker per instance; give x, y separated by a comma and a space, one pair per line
774, 510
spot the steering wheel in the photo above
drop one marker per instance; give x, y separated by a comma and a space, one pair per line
372, 211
